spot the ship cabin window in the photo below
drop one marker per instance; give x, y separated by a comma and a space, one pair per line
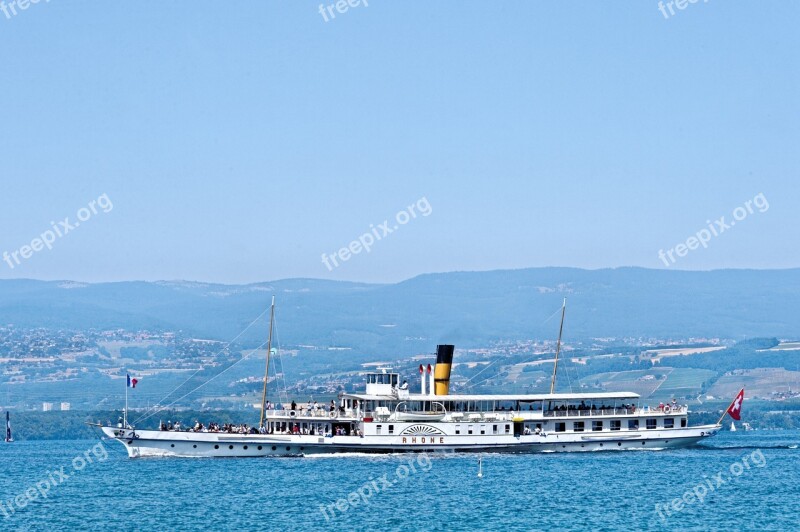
469, 429
508, 429
382, 378
652, 423
391, 429
616, 424
597, 425
458, 429
561, 426
577, 426
494, 429
378, 430
483, 429
669, 422
683, 422
633, 424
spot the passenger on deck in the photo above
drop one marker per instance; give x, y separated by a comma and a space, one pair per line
294, 405
404, 386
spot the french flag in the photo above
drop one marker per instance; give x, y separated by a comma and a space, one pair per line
132, 382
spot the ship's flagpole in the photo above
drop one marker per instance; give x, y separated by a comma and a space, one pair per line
558, 346
125, 417
266, 371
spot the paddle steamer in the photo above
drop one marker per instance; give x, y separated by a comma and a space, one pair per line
390, 418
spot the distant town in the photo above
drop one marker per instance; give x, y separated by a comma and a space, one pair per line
59, 370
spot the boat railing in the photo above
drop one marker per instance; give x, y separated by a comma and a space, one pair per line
437, 408
587, 412
617, 411
319, 413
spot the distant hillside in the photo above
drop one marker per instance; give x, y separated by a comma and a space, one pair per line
465, 308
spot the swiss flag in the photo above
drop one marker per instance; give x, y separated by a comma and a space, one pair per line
735, 410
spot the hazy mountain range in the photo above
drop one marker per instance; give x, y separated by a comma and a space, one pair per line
465, 308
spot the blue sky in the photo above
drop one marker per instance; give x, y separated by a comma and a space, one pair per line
238, 142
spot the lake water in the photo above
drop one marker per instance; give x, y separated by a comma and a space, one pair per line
743, 480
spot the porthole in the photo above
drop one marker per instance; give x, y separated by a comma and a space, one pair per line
643, 442
288, 448
259, 447
245, 447
301, 448
601, 445
216, 447
172, 445
195, 446
619, 444
274, 448
230, 446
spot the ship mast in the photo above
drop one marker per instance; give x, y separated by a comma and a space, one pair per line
266, 371
558, 346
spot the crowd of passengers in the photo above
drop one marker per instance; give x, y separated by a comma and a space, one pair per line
285, 428
583, 407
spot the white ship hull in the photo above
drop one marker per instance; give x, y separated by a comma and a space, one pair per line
149, 443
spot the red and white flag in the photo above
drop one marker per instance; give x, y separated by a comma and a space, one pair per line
735, 410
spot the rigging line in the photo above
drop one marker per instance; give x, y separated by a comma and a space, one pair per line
199, 369
501, 374
280, 359
498, 359
490, 364
161, 408
551, 315
566, 374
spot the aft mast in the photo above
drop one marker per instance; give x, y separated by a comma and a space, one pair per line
266, 371
558, 347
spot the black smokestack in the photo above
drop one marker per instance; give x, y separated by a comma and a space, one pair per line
441, 375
